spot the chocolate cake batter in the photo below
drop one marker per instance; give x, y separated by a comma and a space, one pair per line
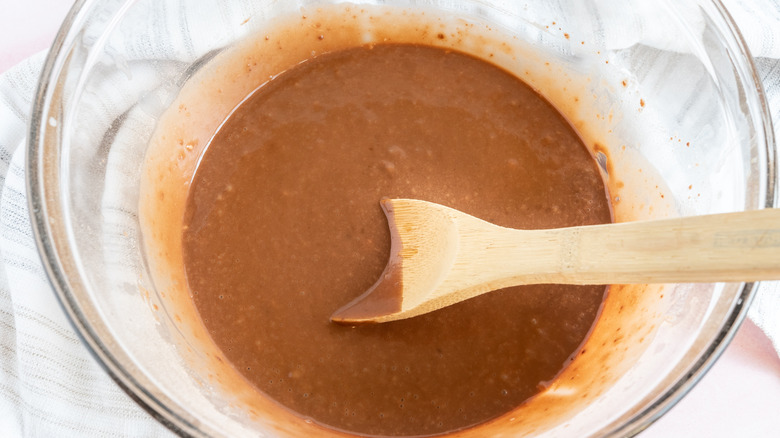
283, 226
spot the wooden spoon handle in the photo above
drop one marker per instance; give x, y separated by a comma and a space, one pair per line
442, 256
742, 246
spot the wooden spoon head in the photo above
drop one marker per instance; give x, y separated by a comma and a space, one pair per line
424, 244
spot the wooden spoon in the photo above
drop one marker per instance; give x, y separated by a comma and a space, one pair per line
441, 256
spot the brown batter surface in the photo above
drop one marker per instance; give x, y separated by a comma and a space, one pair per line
283, 226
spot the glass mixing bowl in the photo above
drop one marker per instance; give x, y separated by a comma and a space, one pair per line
664, 94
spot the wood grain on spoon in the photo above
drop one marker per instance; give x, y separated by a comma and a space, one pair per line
441, 256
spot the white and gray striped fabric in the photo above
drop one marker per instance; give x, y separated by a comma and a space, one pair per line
51, 386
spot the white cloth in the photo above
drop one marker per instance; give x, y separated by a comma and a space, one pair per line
759, 23
49, 383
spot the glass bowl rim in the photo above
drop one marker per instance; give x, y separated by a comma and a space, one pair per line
183, 424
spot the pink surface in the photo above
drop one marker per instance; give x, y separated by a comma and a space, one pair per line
28, 26
739, 397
